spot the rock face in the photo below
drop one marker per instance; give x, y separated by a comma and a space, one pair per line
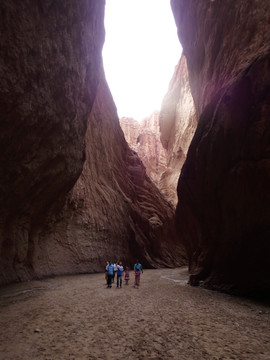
144, 138
177, 122
72, 192
223, 215
162, 140
114, 210
132, 130
49, 77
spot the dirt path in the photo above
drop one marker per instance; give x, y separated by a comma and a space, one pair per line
77, 317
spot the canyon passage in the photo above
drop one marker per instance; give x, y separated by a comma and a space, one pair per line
77, 317
74, 194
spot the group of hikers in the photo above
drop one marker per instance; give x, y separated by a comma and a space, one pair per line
117, 270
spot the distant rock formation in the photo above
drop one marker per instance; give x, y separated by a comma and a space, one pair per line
178, 122
223, 214
144, 138
132, 130
162, 140
73, 194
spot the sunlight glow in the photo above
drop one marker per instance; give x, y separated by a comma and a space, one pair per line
140, 52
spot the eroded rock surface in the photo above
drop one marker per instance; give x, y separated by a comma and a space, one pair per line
131, 128
144, 138
177, 122
72, 193
162, 140
50, 57
114, 211
223, 215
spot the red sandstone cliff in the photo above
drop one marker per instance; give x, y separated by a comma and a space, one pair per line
131, 129
177, 122
162, 140
72, 192
114, 211
223, 214
144, 138
49, 69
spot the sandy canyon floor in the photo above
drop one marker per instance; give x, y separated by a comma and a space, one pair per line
77, 317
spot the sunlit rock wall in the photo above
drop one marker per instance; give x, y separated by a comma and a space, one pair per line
177, 122
152, 153
223, 214
131, 129
144, 138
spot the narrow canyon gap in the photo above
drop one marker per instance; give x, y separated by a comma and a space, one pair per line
73, 194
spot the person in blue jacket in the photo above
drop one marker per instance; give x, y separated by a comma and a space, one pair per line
110, 269
120, 270
138, 271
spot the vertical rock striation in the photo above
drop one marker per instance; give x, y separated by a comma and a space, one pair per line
49, 59
144, 138
223, 214
178, 122
152, 152
131, 129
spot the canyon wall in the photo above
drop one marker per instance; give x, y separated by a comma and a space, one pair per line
151, 151
144, 138
162, 139
131, 129
50, 61
114, 211
72, 193
177, 122
223, 214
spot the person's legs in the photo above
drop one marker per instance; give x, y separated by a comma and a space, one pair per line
109, 280
120, 281
137, 280
117, 280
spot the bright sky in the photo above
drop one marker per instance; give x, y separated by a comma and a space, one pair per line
140, 52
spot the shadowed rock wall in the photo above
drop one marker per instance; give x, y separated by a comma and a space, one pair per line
223, 214
50, 56
72, 194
